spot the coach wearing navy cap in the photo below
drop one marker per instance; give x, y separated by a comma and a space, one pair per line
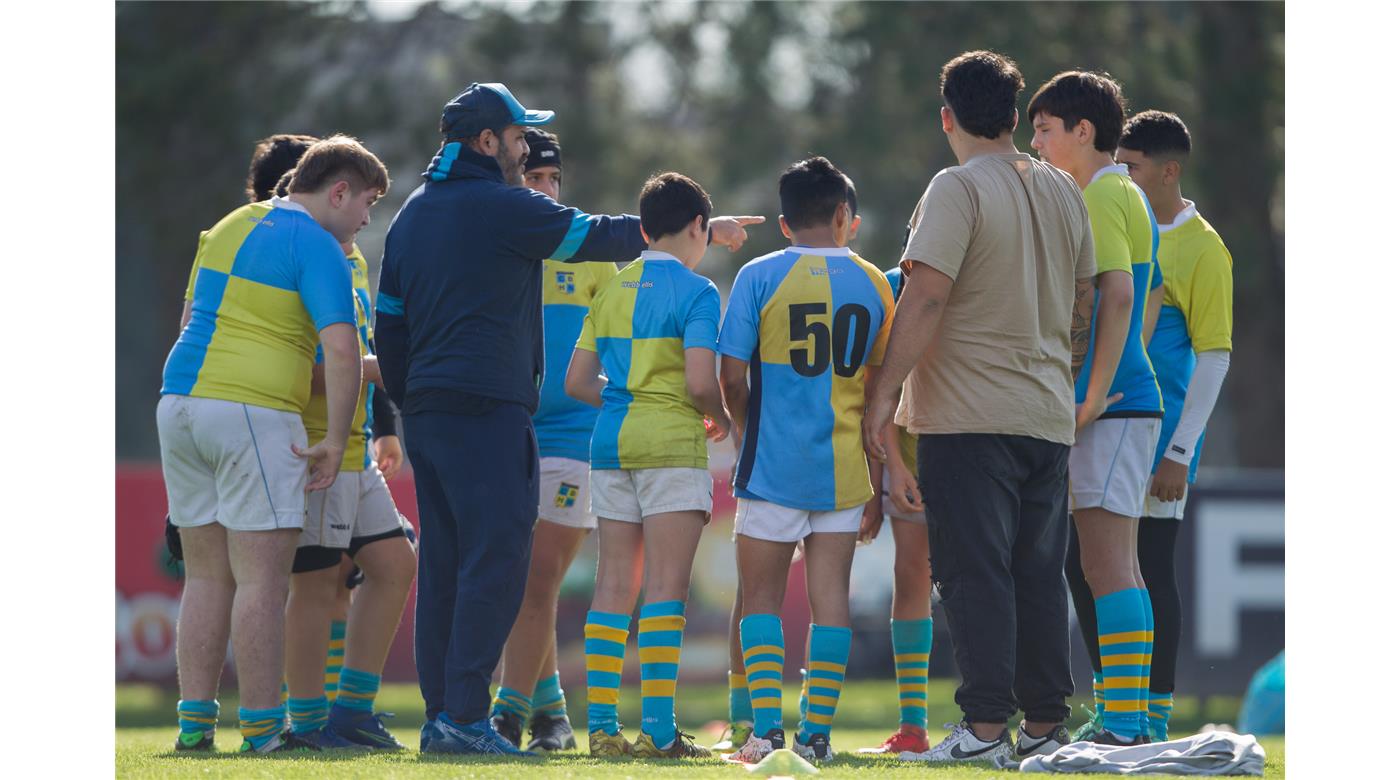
460, 351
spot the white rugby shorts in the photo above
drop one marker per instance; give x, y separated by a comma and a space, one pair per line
231, 463
632, 494
356, 505
1110, 464
564, 493
777, 523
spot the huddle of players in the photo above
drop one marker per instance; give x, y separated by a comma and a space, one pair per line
248, 383
803, 337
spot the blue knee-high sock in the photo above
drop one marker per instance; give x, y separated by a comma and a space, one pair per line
830, 649
913, 641
1145, 677
308, 715
660, 628
357, 690
1122, 645
198, 715
1159, 715
740, 705
761, 639
511, 700
604, 644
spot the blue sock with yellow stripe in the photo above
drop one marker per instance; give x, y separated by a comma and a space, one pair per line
913, 642
1098, 694
761, 639
660, 628
357, 690
260, 727
308, 714
604, 643
1145, 678
549, 697
1122, 645
511, 700
829, 647
335, 659
740, 705
1159, 714
197, 715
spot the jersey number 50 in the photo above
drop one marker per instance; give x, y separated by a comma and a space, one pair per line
850, 329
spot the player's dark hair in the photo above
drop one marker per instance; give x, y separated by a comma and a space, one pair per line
284, 184
851, 196
669, 202
1157, 134
1074, 95
809, 192
273, 157
981, 87
337, 158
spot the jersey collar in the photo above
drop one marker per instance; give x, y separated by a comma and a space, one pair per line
279, 202
1107, 169
652, 254
1187, 214
824, 251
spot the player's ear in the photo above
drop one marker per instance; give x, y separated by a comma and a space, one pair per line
783, 226
340, 193
1084, 131
645, 237
697, 226
855, 227
1171, 172
946, 114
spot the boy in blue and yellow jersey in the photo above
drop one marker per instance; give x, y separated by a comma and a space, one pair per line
1190, 350
804, 328
530, 687
269, 278
652, 330
911, 618
1078, 119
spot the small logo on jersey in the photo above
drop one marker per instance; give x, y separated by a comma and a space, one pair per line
568, 494
821, 270
638, 285
1178, 449
564, 282
340, 526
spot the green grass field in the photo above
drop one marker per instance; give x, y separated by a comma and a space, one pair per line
868, 711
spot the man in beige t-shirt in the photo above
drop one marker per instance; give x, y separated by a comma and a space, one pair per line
999, 253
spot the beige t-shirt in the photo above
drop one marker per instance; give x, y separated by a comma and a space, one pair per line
1013, 233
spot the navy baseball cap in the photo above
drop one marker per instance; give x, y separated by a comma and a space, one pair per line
485, 107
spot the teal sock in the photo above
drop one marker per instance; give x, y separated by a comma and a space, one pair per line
1122, 644
260, 727
761, 639
335, 659
1145, 678
197, 715
830, 649
604, 644
740, 705
549, 697
1159, 715
308, 714
1098, 694
357, 690
511, 700
913, 641
660, 628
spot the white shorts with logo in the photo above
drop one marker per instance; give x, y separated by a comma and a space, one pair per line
1110, 464
564, 493
887, 506
1167, 510
632, 494
231, 463
355, 506
777, 523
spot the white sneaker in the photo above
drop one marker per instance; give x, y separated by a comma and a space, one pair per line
757, 748
1027, 746
962, 745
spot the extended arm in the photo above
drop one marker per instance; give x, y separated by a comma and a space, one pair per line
582, 381
734, 386
341, 347
703, 387
1110, 334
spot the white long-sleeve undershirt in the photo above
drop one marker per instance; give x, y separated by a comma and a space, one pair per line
1201, 395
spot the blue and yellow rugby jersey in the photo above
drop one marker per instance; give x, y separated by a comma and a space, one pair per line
357, 456
268, 278
908, 442
1197, 313
808, 321
563, 425
640, 324
1125, 239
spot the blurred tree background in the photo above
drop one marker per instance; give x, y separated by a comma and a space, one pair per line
729, 93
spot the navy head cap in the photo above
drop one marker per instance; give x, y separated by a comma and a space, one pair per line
487, 107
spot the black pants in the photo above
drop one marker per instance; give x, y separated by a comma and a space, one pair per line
1157, 559
477, 480
997, 510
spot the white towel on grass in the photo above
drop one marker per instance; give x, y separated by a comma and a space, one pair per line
1211, 753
